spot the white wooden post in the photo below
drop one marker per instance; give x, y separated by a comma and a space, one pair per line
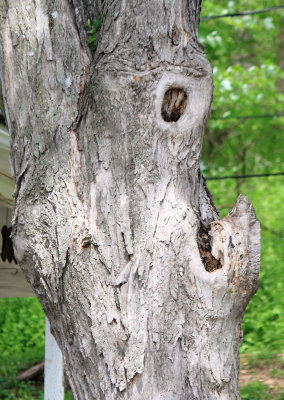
53, 367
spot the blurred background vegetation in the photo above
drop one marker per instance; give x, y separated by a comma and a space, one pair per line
244, 136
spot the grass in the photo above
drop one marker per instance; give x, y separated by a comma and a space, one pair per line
259, 391
21, 334
21, 345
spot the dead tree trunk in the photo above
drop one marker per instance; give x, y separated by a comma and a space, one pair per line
144, 286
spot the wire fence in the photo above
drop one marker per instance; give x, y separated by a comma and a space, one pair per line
241, 13
218, 178
272, 116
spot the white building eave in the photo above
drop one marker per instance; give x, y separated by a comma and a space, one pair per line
6, 180
4, 138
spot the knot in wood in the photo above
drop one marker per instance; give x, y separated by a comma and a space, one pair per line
174, 104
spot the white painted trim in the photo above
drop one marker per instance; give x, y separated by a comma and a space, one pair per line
4, 138
53, 367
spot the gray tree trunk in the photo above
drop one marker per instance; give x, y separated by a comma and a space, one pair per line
144, 286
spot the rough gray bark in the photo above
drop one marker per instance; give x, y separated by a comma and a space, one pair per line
143, 285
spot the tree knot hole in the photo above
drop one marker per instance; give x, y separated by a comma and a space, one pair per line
174, 104
204, 241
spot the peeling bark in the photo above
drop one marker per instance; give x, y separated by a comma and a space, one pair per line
144, 286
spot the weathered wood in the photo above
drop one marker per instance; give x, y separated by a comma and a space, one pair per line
35, 372
113, 225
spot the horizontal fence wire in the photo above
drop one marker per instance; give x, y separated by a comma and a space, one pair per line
218, 178
241, 13
247, 117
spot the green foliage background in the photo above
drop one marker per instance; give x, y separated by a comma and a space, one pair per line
245, 56
21, 344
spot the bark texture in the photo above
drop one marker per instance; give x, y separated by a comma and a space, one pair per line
144, 286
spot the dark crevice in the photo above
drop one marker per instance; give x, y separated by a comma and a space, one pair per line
210, 263
7, 245
128, 256
2, 119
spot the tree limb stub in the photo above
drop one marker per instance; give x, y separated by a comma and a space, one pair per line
144, 286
